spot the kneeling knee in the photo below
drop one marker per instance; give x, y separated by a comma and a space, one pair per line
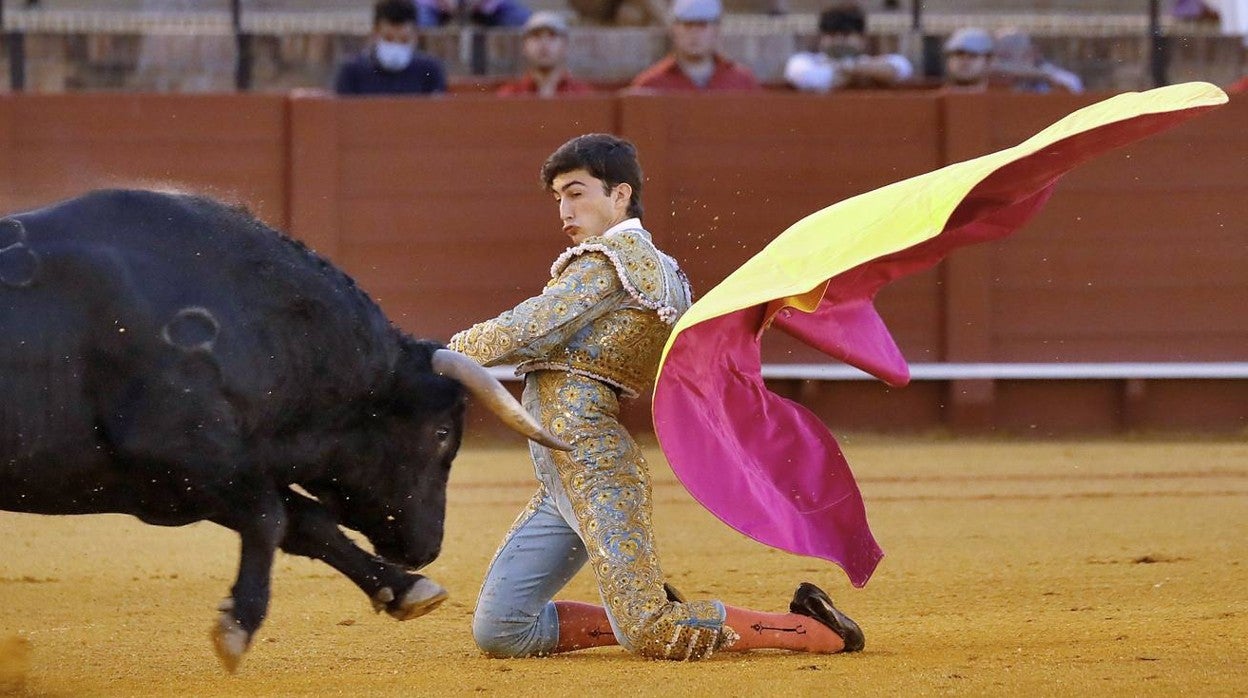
505, 639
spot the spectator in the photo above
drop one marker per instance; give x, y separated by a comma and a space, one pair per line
841, 59
1016, 61
391, 64
1193, 11
488, 13
967, 56
695, 62
621, 12
545, 48
1232, 17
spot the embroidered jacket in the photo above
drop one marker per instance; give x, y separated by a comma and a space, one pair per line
606, 313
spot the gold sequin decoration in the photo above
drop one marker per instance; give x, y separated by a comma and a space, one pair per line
607, 482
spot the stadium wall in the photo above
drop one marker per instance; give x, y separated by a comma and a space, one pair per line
434, 206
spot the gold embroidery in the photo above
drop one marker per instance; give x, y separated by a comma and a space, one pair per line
607, 482
599, 325
586, 321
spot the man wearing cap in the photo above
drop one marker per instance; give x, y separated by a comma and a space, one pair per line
1017, 62
695, 63
841, 59
968, 53
545, 49
391, 64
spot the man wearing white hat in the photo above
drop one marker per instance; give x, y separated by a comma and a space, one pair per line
545, 49
968, 54
1018, 62
695, 62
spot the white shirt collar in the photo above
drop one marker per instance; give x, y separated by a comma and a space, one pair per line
626, 224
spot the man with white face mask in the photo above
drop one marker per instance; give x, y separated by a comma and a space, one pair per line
391, 64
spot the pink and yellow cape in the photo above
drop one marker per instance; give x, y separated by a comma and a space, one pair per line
765, 465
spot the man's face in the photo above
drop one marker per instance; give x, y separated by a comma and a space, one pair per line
545, 49
965, 68
695, 41
842, 44
404, 33
585, 208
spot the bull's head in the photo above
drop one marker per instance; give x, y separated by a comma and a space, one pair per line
396, 492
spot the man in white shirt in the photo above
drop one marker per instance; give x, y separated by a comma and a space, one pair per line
841, 59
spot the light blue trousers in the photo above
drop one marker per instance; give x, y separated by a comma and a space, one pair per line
603, 486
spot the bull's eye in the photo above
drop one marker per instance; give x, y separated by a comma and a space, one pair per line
443, 433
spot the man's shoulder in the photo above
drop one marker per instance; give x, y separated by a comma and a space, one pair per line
356, 63
605, 248
424, 63
572, 86
658, 74
522, 85
648, 274
730, 74
352, 74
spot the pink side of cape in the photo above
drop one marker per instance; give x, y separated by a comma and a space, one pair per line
767, 466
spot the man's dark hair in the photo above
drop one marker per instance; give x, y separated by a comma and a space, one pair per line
394, 12
603, 156
846, 18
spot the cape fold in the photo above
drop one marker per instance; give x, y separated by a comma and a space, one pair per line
765, 465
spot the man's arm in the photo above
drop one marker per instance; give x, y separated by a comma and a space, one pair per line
588, 288
887, 70
1046, 73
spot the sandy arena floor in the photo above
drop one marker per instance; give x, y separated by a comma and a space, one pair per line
1089, 568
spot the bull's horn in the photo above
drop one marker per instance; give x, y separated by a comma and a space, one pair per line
488, 390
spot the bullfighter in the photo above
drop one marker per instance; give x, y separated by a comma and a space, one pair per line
592, 337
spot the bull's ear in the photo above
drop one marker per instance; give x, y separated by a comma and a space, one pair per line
418, 353
417, 389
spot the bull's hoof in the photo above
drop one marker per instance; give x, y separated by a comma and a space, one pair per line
423, 596
229, 640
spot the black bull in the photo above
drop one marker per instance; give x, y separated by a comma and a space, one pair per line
170, 357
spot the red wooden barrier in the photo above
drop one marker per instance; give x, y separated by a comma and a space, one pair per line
231, 146
434, 206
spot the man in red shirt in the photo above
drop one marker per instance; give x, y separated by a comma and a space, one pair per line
545, 49
695, 63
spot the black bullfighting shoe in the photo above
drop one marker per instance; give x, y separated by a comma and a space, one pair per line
673, 594
811, 601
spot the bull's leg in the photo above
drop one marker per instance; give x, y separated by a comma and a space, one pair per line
313, 532
261, 528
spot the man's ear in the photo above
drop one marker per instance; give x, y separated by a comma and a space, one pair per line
622, 193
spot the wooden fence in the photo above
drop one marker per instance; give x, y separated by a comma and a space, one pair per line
435, 207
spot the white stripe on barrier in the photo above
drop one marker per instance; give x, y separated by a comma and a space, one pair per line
1021, 371
1000, 371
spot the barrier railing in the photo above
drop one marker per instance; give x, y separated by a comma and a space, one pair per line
245, 25
1130, 370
